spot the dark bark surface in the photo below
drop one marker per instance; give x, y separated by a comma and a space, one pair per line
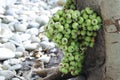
95, 57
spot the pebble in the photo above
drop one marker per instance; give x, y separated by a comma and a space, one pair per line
44, 58
31, 46
7, 19
2, 78
20, 27
42, 20
20, 49
32, 31
47, 45
25, 36
10, 46
7, 53
7, 74
41, 29
16, 38
33, 24
34, 39
9, 11
19, 54
15, 67
12, 61
15, 79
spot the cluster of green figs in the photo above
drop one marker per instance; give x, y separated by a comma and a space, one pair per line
73, 31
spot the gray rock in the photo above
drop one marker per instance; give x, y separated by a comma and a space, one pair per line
7, 74
15, 67
20, 49
42, 20
33, 24
2, 10
25, 36
3, 40
9, 11
43, 4
15, 79
11, 26
31, 46
32, 31
45, 38
5, 32
16, 43
8, 19
47, 45
18, 54
41, 29
2, 78
16, 38
7, 53
11, 61
10, 46
21, 27
34, 39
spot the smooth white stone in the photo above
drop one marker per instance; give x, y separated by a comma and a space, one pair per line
20, 49
3, 40
2, 10
54, 10
16, 43
6, 53
10, 2
41, 29
11, 25
5, 32
47, 45
16, 38
42, 20
10, 46
15, 67
33, 24
8, 19
5, 67
34, 39
32, 31
43, 4
31, 46
45, 38
7, 74
2, 78
45, 58
25, 36
15, 79
9, 11
18, 54
21, 27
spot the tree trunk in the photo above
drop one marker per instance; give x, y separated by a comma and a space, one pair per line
110, 10
102, 61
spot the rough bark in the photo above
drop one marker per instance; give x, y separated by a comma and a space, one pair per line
95, 57
110, 10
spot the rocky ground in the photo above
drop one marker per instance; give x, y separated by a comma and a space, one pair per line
23, 45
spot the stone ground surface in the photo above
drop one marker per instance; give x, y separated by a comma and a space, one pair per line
22, 42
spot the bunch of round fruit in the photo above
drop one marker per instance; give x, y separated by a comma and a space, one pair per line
73, 31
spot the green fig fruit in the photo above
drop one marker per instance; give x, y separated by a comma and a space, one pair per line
75, 25
81, 20
94, 21
88, 10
